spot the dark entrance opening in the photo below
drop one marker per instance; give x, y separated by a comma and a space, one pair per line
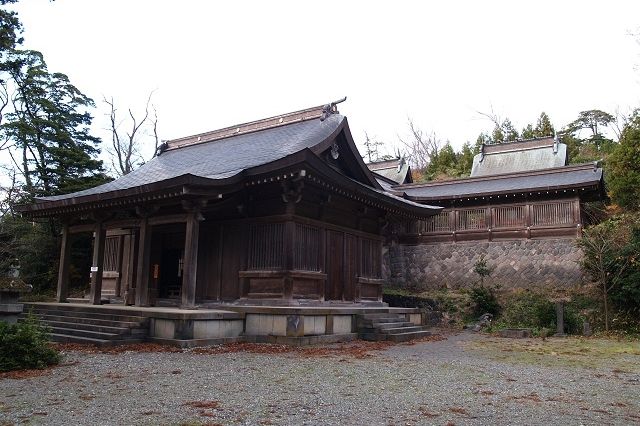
170, 274
167, 254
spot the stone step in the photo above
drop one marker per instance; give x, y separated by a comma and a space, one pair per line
84, 320
405, 337
87, 327
400, 330
399, 337
386, 324
87, 314
381, 315
65, 338
85, 333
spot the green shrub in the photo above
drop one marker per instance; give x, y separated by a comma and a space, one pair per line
25, 346
484, 301
528, 310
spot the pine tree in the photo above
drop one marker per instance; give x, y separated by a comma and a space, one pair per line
50, 128
528, 132
543, 126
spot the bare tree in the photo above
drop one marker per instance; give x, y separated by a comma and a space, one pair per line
154, 126
602, 260
422, 147
10, 192
125, 146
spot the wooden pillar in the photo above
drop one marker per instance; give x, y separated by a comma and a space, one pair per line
119, 256
289, 247
190, 269
63, 271
97, 266
323, 263
142, 270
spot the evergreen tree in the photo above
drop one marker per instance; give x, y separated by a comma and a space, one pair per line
443, 164
624, 166
465, 160
45, 127
585, 138
528, 132
49, 127
543, 126
505, 132
483, 138
509, 131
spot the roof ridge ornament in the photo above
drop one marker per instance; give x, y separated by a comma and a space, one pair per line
330, 108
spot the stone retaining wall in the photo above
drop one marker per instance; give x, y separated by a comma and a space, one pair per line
517, 264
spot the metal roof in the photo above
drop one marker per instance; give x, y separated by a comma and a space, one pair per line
396, 170
519, 156
580, 176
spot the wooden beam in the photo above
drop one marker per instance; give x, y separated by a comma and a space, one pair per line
65, 261
190, 269
142, 270
173, 218
78, 229
100, 235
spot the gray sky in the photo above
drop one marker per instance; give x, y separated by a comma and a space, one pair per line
215, 64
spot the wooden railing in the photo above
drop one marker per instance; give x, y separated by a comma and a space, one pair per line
523, 220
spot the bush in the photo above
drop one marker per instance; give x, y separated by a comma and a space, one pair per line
528, 310
25, 345
484, 301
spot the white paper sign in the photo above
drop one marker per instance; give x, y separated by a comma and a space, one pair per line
94, 269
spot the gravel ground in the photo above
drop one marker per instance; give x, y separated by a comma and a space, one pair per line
442, 382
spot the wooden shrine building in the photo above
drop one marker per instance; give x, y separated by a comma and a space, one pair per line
275, 211
521, 209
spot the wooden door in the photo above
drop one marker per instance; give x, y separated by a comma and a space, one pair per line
335, 266
350, 266
233, 257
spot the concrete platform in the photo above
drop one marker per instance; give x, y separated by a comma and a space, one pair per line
222, 323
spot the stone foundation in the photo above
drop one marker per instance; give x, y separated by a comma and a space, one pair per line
516, 264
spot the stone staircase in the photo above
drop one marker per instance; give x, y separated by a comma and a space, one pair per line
389, 326
72, 324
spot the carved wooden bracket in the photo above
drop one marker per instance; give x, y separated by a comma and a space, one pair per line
100, 216
292, 191
195, 206
146, 210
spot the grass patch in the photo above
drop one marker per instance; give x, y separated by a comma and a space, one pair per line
619, 355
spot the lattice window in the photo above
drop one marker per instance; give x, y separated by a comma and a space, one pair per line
111, 253
266, 246
509, 216
306, 256
472, 219
371, 251
437, 223
558, 213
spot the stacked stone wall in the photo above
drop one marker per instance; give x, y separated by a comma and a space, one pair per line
516, 264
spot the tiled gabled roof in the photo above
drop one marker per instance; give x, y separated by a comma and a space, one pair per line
219, 155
